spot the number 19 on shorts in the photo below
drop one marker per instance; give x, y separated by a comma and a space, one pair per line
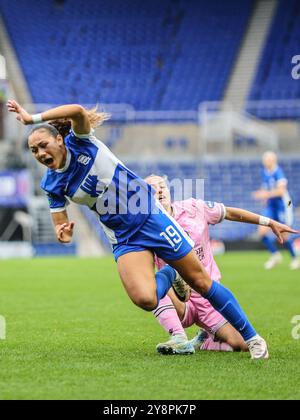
173, 237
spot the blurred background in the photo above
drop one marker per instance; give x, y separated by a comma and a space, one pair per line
197, 89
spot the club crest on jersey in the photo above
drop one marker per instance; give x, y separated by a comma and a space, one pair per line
84, 159
210, 204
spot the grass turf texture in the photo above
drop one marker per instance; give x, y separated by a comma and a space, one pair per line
72, 333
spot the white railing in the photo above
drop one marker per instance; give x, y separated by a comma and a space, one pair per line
215, 128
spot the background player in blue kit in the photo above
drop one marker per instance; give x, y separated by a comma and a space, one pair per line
83, 170
278, 207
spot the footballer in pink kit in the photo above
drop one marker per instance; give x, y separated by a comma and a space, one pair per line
195, 217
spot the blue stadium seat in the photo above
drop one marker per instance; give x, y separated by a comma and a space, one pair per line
153, 55
273, 80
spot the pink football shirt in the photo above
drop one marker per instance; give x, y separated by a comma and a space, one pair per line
195, 216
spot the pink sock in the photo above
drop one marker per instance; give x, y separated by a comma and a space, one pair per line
167, 317
210, 345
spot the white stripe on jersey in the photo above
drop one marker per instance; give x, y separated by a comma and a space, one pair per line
58, 210
104, 168
109, 233
289, 214
223, 215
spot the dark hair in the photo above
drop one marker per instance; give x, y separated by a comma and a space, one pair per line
45, 126
62, 126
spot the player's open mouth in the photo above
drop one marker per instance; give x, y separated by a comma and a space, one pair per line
48, 161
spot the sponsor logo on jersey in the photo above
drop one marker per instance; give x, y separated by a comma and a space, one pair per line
50, 199
84, 159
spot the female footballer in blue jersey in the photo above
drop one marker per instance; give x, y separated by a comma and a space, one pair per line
279, 207
83, 170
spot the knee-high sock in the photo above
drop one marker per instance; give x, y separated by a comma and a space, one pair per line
167, 317
290, 247
224, 302
164, 280
269, 243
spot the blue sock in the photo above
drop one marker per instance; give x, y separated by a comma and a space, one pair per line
269, 243
224, 302
164, 280
290, 247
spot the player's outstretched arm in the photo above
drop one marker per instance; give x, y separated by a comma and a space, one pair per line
76, 113
63, 227
245, 216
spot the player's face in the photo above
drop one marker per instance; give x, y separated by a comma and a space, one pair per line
48, 150
162, 192
269, 161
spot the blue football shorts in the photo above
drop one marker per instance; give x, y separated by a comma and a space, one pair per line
160, 234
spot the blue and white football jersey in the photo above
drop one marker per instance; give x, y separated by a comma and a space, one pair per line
280, 207
94, 177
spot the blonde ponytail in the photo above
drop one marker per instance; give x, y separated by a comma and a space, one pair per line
97, 118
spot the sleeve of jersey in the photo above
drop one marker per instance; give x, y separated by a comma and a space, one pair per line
280, 177
56, 202
213, 213
264, 180
84, 137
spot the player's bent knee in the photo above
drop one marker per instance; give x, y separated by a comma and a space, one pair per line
202, 285
146, 302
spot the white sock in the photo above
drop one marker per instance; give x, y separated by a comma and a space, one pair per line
256, 337
183, 336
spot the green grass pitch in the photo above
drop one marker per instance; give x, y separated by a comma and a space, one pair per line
72, 333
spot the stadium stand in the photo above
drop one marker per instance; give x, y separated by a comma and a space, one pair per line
273, 79
230, 182
167, 55
222, 183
